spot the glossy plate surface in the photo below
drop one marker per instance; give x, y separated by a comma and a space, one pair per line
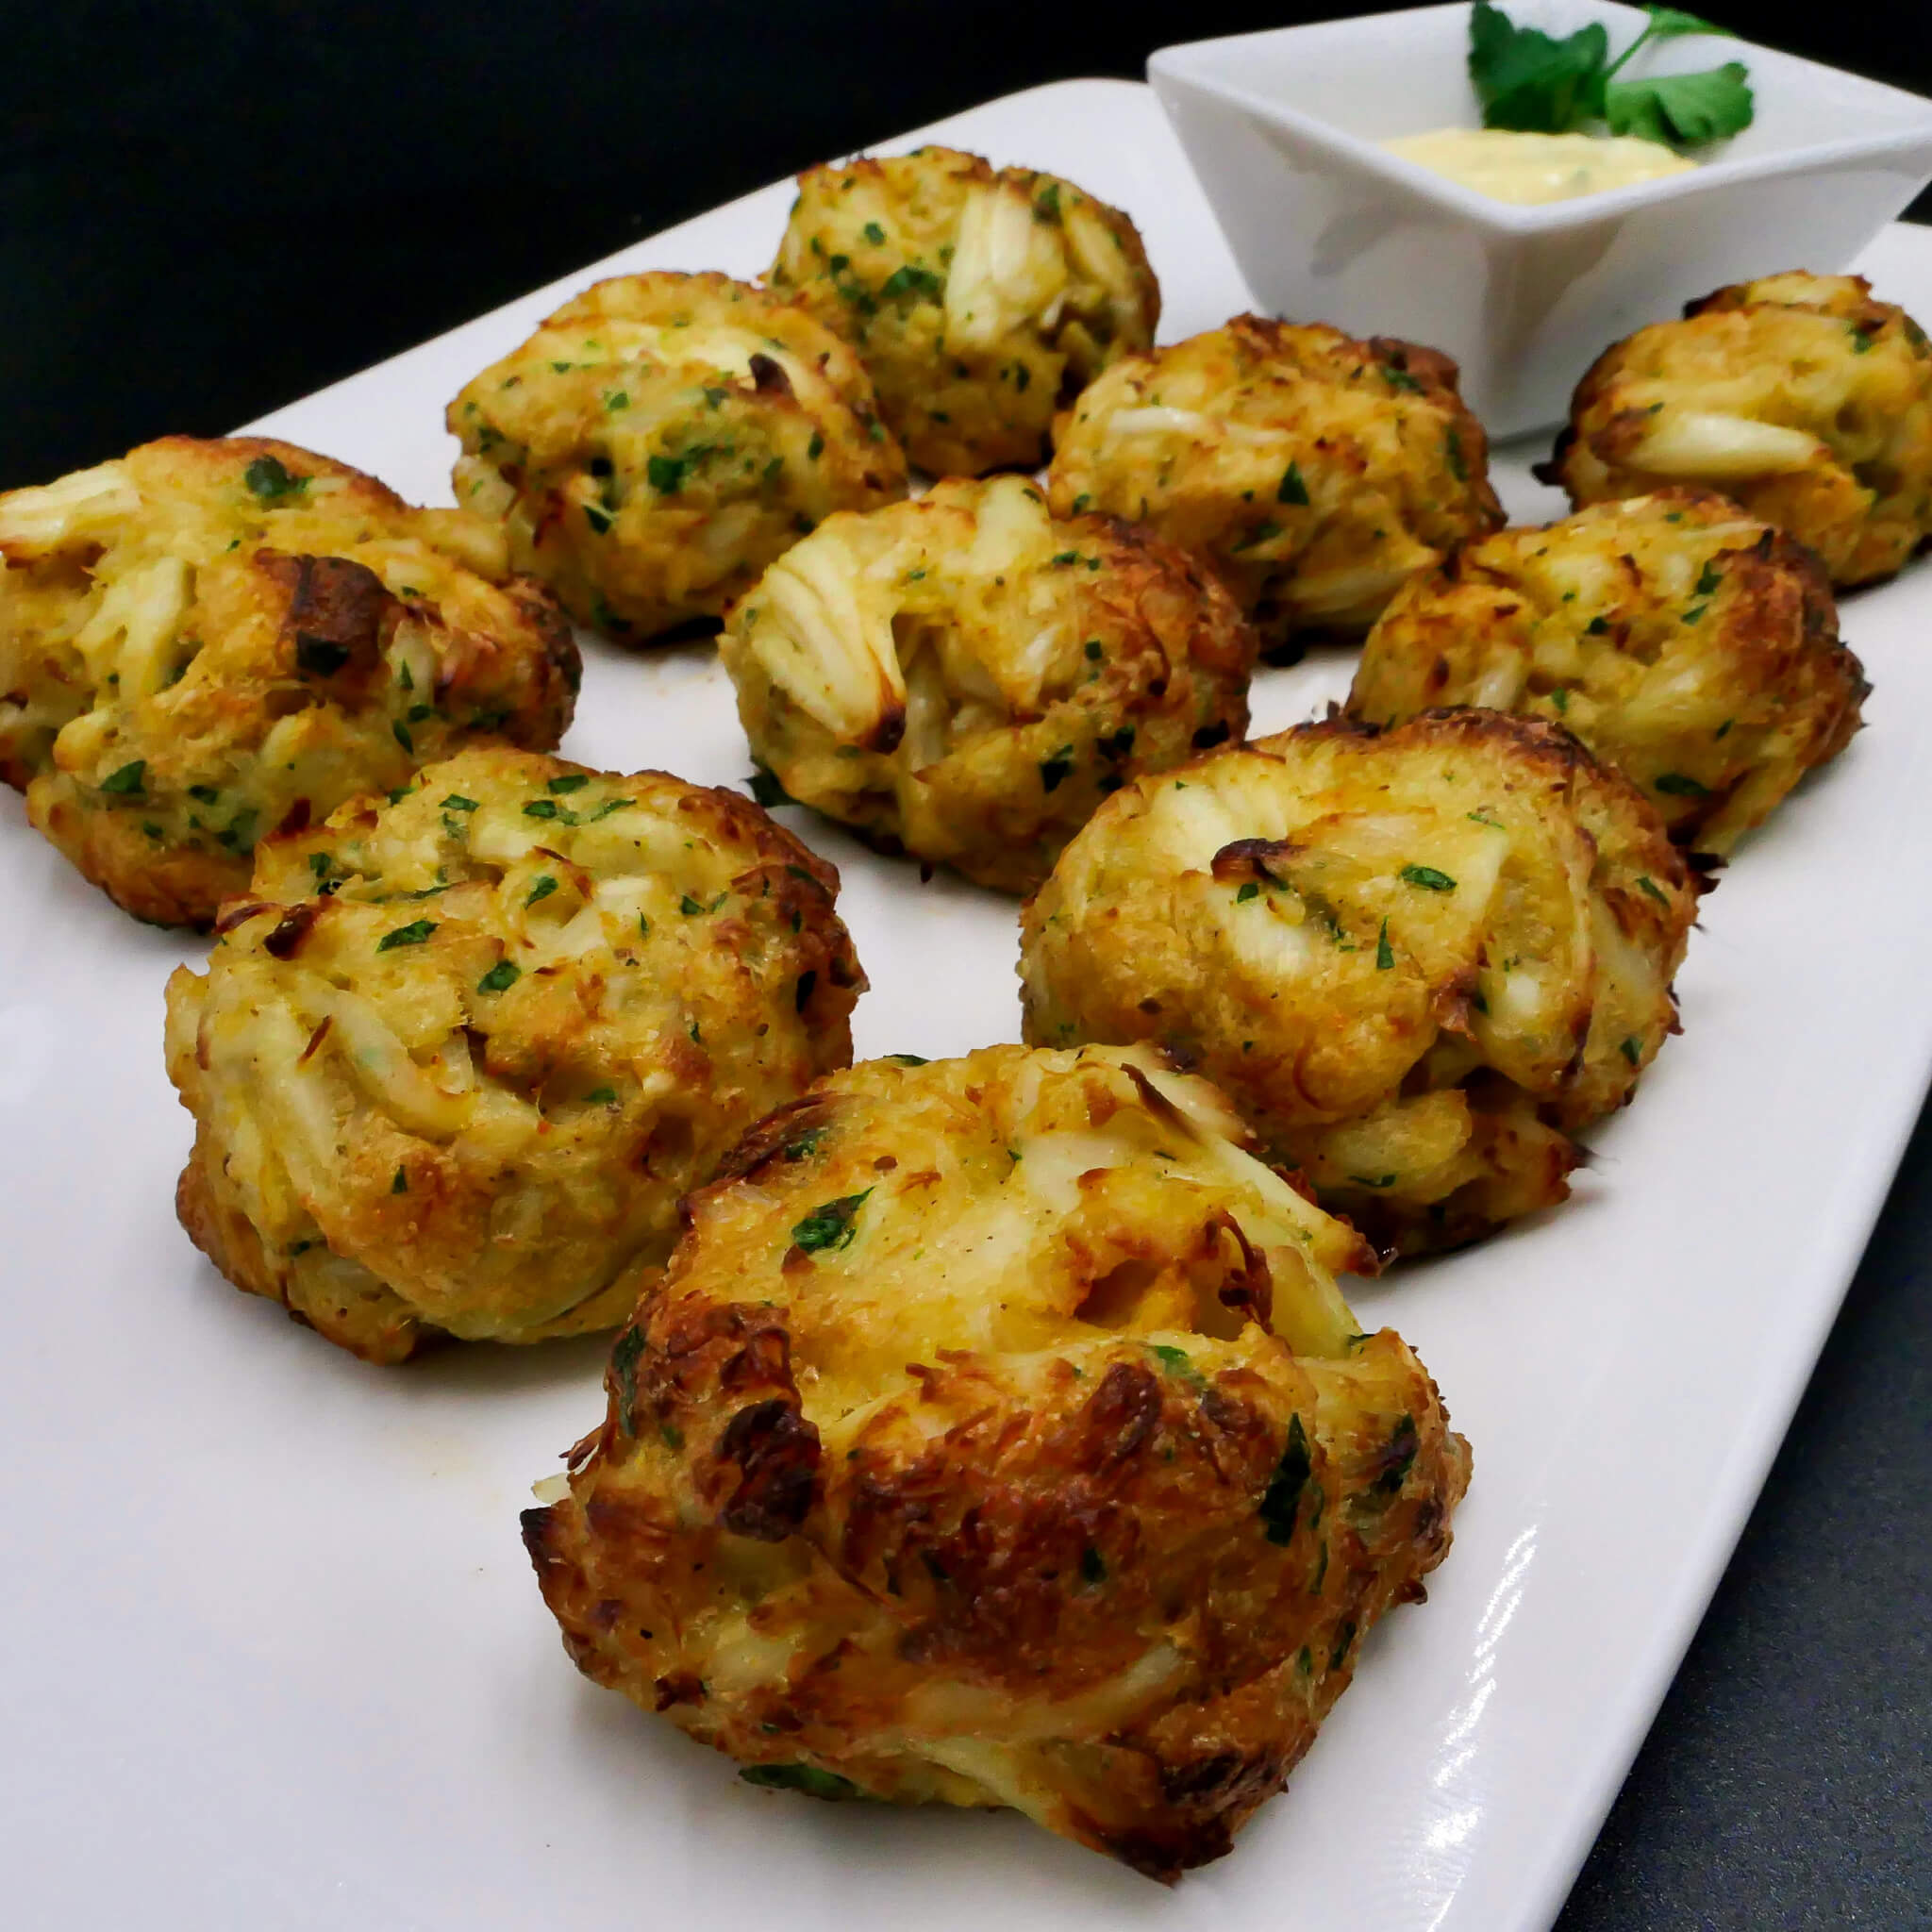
274, 1658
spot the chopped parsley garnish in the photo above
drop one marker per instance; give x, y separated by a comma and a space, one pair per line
907, 1060
689, 906
1452, 449
807, 1778
1092, 648
1402, 1447
829, 1227
597, 516
1054, 771
624, 1372
1292, 489
500, 977
130, 781
1708, 580
764, 787
207, 793
600, 1096
1649, 885
1428, 877
1631, 1048
411, 935
1250, 891
1385, 957
1675, 785
907, 280
271, 481
401, 1184
1373, 1180
1282, 1498
570, 781
456, 802
816, 447
540, 808
873, 233
541, 888
400, 732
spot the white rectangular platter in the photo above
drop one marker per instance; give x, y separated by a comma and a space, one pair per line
273, 1655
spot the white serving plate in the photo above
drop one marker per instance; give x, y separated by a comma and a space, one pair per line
274, 1658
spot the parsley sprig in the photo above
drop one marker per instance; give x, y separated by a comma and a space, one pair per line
1532, 82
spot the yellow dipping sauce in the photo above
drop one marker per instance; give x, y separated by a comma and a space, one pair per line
1508, 166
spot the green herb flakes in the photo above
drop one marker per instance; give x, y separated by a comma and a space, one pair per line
271, 481
411, 935
1282, 1498
830, 1226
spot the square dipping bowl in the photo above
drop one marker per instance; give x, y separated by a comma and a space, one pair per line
1284, 129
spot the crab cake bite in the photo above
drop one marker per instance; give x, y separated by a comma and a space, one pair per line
662, 438
1692, 646
1316, 474
1799, 395
966, 676
998, 1436
980, 301
456, 1061
1417, 960
202, 642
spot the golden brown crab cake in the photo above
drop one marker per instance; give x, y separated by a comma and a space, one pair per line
1316, 474
966, 676
203, 640
662, 438
1417, 960
1798, 395
979, 300
998, 1436
1689, 644
456, 1061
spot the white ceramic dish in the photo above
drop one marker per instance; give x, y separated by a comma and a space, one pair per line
274, 1658
1284, 126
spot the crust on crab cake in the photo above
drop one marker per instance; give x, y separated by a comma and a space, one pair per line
1315, 474
202, 642
1687, 642
980, 300
1800, 395
459, 1055
1012, 1404
965, 677
662, 438
1419, 960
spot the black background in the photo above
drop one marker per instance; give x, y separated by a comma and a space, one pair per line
207, 210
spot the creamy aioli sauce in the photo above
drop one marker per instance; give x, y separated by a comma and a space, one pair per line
1508, 166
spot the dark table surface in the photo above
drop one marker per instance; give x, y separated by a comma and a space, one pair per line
207, 210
